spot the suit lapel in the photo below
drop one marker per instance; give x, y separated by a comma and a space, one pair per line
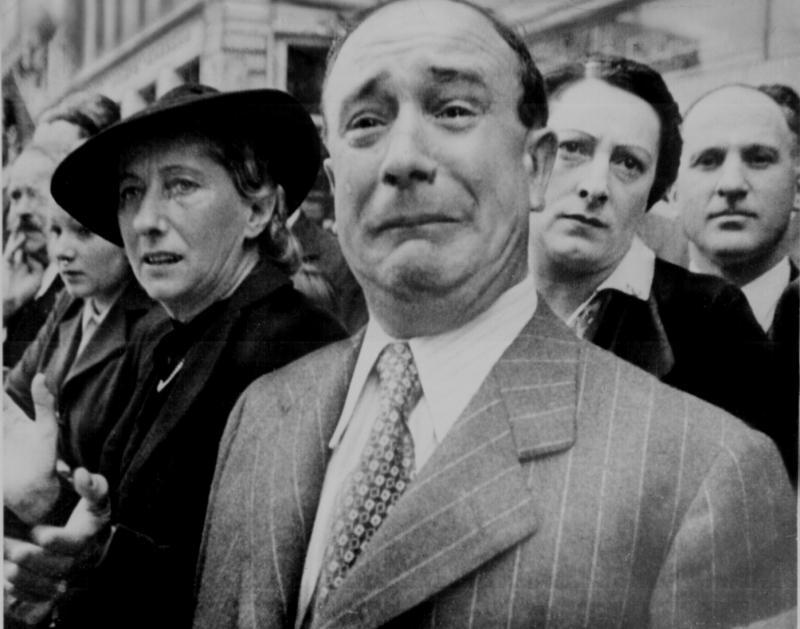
471, 501
64, 352
108, 339
201, 361
295, 466
632, 329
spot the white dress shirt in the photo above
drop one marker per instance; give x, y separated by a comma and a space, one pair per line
764, 292
92, 315
633, 276
451, 366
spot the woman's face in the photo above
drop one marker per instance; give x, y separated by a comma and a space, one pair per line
184, 225
608, 143
89, 265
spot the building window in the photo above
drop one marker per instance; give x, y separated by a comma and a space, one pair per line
305, 69
99, 26
190, 72
118, 22
148, 93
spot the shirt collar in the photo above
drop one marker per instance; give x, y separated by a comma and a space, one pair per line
48, 277
764, 292
93, 312
632, 276
440, 359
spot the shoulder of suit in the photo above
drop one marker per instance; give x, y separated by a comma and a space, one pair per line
679, 415
313, 371
675, 286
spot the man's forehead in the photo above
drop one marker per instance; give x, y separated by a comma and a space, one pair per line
30, 165
735, 113
436, 27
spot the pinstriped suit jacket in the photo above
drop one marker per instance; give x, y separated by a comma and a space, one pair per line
574, 491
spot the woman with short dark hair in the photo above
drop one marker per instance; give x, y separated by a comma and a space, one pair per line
619, 146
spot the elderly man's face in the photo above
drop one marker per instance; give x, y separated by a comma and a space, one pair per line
427, 161
28, 187
737, 179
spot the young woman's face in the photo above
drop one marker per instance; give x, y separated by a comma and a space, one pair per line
89, 265
608, 144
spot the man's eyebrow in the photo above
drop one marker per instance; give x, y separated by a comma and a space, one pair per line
453, 75
365, 90
758, 146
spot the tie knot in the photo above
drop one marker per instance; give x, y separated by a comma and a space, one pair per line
398, 376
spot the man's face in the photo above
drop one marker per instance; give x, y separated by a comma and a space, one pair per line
737, 179
428, 153
30, 201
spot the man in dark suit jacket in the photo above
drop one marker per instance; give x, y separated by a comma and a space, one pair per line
527, 478
739, 189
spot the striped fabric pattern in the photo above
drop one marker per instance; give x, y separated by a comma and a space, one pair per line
574, 491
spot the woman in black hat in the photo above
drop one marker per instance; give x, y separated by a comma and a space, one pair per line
203, 182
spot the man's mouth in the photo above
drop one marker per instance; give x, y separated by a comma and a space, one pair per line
410, 222
586, 220
160, 258
732, 213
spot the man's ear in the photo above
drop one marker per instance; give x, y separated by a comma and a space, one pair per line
262, 207
540, 153
796, 207
328, 168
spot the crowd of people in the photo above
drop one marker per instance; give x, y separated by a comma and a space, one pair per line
495, 397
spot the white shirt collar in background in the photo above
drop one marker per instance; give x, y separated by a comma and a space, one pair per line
764, 292
633, 276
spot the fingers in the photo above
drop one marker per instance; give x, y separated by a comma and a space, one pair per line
61, 540
36, 559
32, 571
93, 488
14, 246
88, 522
44, 405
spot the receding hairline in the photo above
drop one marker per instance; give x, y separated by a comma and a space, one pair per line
340, 43
731, 87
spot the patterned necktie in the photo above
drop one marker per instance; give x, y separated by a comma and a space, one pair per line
386, 468
585, 322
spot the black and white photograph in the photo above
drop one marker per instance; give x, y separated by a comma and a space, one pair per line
361, 314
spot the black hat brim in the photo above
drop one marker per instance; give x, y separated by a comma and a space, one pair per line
86, 183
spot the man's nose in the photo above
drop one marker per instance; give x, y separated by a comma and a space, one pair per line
593, 185
732, 182
407, 160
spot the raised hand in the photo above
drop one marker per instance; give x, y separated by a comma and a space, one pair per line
22, 275
30, 484
37, 572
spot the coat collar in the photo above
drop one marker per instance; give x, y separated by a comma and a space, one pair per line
111, 336
263, 280
471, 501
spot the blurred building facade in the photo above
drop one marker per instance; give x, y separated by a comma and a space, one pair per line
135, 50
